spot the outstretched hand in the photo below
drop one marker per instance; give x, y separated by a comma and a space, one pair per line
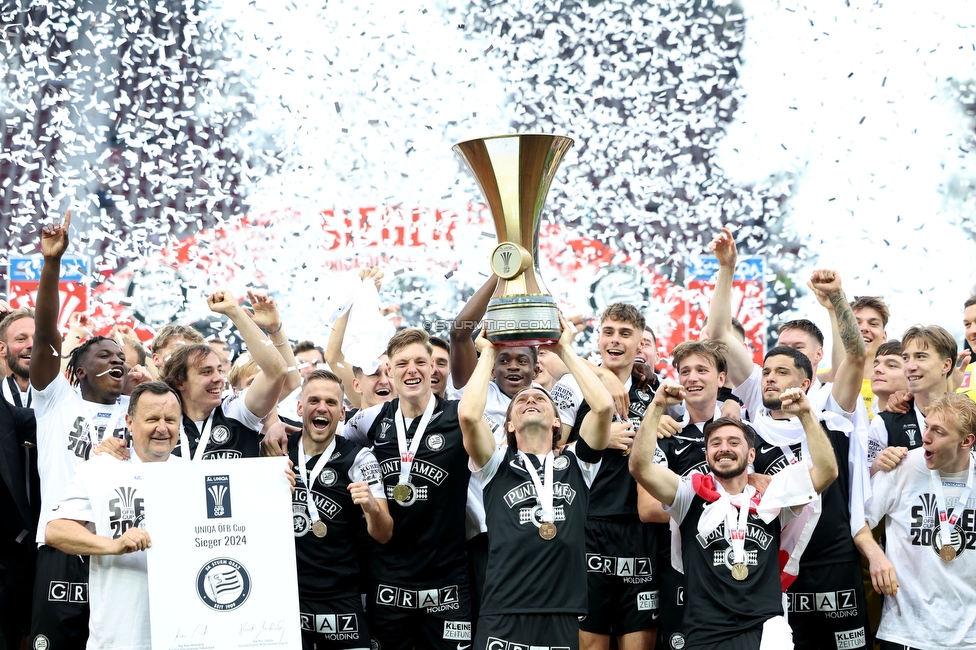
54, 238
724, 248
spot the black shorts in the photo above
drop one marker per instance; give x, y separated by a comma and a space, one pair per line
333, 623
17, 563
403, 617
621, 581
827, 607
671, 632
59, 620
524, 631
748, 640
477, 568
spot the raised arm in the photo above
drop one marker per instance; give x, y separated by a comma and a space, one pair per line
265, 315
719, 325
464, 356
45, 360
849, 374
478, 439
824, 469
595, 428
262, 396
660, 482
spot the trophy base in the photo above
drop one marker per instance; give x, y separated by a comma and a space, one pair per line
516, 321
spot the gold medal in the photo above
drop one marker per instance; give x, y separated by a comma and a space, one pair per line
547, 530
947, 553
740, 571
319, 529
402, 493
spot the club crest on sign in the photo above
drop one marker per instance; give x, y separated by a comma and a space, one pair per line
223, 584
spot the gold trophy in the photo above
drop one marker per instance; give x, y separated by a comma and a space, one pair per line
514, 173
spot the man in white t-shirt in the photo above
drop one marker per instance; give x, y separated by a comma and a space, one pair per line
101, 514
69, 423
929, 509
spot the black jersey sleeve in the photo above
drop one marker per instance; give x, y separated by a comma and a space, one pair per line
586, 453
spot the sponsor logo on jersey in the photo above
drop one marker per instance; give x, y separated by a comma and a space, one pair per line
457, 631
754, 532
534, 515
647, 601
334, 627
724, 558
328, 477
429, 600
223, 584
300, 519
494, 643
220, 434
126, 511
67, 592
618, 566
222, 454
384, 427
526, 492
218, 496
835, 604
850, 639
911, 430
421, 467
434, 441
563, 397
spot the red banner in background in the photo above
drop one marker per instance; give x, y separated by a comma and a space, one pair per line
24, 277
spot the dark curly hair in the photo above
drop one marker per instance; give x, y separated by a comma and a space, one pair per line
78, 354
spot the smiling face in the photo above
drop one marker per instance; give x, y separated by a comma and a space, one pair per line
102, 371
727, 452
375, 388
872, 329
924, 370
700, 379
440, 369
514, 369
969, 322
779, 373
204, 384
410, 367
618, 343
531, 408
647, 353
16, 349
155, 427
888, 375
321, 410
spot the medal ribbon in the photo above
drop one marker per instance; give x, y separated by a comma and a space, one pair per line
736, 529
947, 521
309, 479
407, 455
204, 439
543, 491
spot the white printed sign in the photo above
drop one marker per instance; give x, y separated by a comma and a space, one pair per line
222, 570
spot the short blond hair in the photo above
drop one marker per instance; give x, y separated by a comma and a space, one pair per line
957, 409
244, 367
